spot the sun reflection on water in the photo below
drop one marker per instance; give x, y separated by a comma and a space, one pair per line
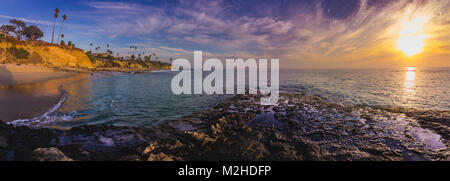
409, 83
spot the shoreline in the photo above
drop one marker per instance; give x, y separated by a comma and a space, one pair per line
300, 127
32, 91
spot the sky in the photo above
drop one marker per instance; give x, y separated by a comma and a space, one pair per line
301, 33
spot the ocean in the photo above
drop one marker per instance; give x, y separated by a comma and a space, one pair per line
147, 100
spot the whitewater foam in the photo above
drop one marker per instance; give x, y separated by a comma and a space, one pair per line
42, 120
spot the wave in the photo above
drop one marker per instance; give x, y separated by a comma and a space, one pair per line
42, 120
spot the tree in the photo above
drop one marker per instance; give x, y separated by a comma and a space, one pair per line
134, 47
62, 43
62, 36
90, 44
33, 33
62, 24
19, 28
69, 43
54, 22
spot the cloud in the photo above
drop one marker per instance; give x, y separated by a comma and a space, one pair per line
114, 6
39, 22
323, 33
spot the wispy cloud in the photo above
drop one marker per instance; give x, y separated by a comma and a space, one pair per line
39, 22
114, 6
321, 33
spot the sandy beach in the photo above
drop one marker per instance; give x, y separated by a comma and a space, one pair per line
11, 74
29, 91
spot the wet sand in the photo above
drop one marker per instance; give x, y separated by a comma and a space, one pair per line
29, 91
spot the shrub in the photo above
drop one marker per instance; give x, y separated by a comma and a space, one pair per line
110, 63
19, 53
35, 58
89, 55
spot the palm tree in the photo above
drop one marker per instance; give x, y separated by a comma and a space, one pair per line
54, 22
134, 47
90, 44
62, 24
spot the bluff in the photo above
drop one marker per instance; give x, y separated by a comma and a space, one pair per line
42, 53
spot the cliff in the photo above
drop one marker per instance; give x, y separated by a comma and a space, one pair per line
41, 53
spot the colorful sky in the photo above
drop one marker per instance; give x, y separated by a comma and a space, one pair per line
301, 33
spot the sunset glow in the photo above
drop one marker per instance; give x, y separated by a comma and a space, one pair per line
411, 45
411, 40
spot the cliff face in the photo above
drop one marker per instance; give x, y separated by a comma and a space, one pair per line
45, 54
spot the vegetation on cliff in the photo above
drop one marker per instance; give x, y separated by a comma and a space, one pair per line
22, 44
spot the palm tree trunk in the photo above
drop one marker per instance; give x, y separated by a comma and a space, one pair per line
53, 31
60, 30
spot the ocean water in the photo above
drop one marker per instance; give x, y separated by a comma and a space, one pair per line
147, 100
128, 100
427, 88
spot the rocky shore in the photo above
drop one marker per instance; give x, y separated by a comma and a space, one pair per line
300, 127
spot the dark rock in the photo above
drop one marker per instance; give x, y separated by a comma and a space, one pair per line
300, 127
49, 154
159, 157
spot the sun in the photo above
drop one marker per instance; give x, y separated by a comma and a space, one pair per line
411, 45
411, 41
